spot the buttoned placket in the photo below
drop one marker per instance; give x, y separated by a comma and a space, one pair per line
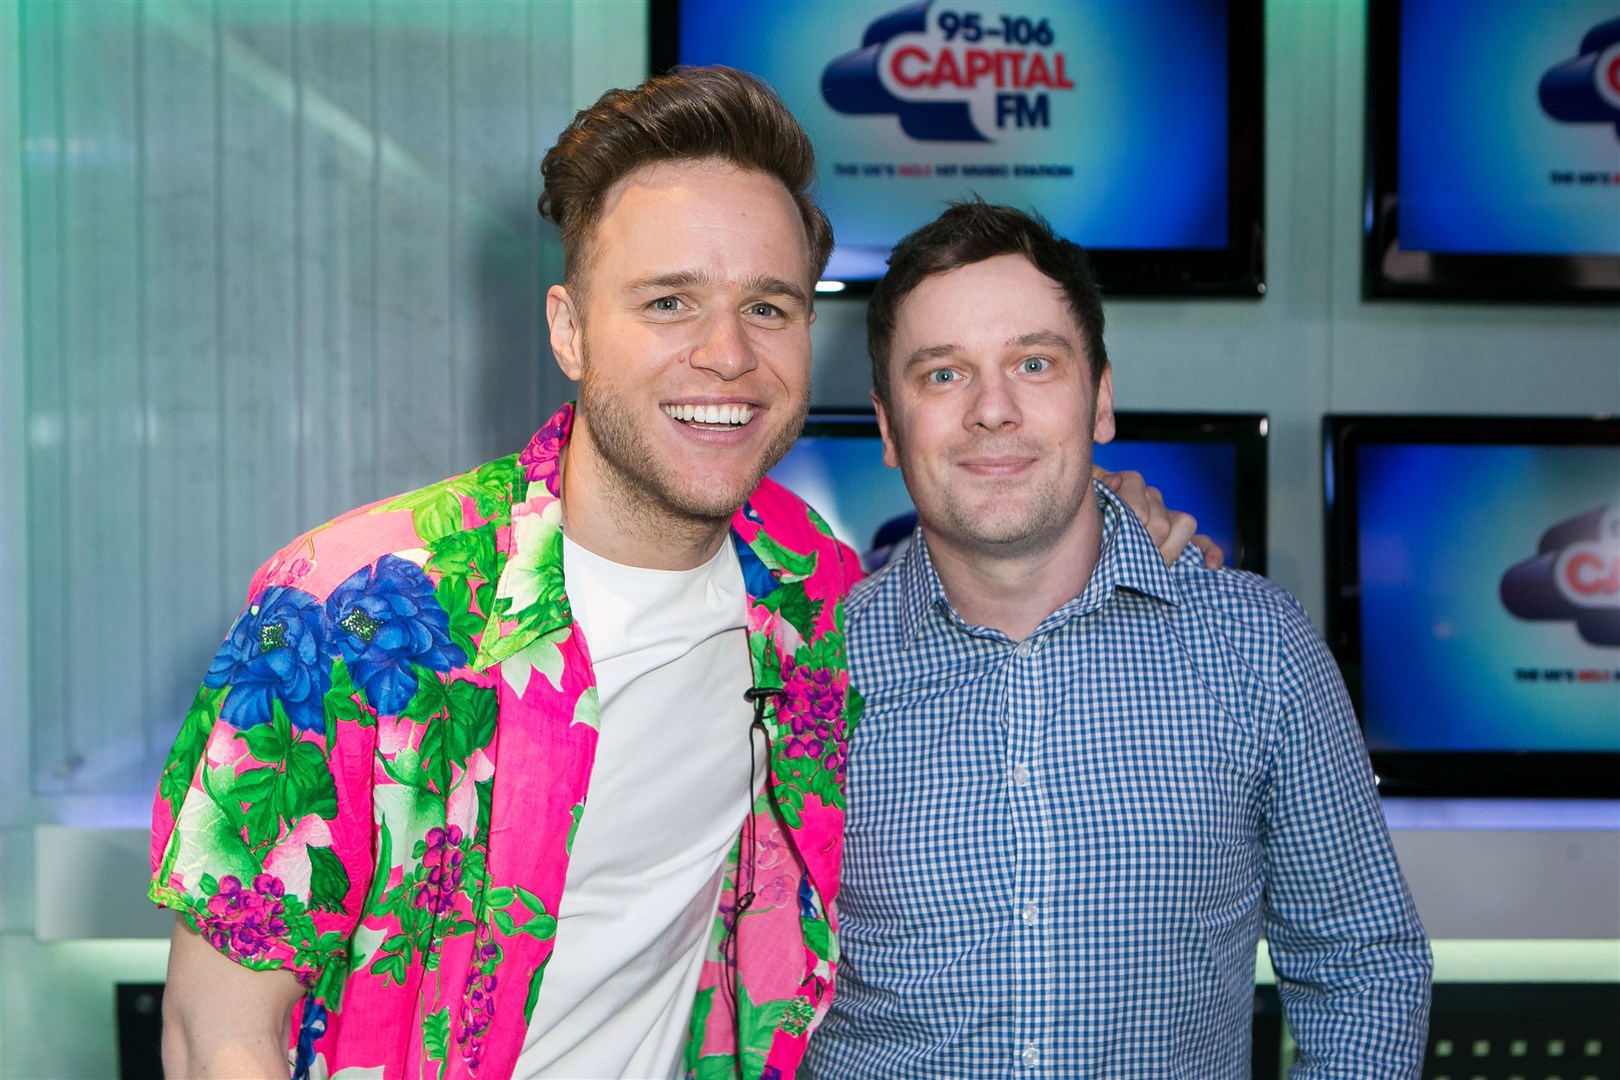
1031, 888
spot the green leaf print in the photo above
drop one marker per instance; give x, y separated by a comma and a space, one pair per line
787, 566
312, 788
435, 509
340, 701
576, 813
757, 1029
269, 742
534, 990
436, 1035
455, 597
430, 699
817, 937
793, 605
328, 880
190, 746
473, 711
696, 1027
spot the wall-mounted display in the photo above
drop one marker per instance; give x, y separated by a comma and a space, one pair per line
1136, 129
1474, 599
1493, 149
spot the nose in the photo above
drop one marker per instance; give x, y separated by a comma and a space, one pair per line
994, 405
724, 348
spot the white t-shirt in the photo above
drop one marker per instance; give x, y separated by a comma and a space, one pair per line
668, 795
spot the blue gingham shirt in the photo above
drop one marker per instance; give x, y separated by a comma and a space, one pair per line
1061, 851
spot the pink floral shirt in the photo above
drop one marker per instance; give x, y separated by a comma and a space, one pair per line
378, 783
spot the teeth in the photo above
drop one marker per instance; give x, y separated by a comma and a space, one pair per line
731, 415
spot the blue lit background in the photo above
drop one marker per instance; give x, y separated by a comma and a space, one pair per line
1144, 129
845, 479
1439, 525
1476, 149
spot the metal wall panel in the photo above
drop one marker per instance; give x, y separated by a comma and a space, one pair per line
282, 259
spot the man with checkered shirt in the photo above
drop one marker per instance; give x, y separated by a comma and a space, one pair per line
1086, 780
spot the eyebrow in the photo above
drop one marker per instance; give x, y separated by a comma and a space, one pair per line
1047, 339
761, 285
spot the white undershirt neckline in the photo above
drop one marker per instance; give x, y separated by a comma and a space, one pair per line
668, 794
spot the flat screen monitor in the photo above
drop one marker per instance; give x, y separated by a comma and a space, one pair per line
1493, 150
1135, 128
1212, 465
1474, 600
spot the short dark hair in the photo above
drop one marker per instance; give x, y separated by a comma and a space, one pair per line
690, 114
970, 232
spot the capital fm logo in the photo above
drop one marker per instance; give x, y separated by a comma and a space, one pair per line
955, 74
1586, 89
1574, 576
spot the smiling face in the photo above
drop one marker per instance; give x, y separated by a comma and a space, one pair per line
691, 343
992, 414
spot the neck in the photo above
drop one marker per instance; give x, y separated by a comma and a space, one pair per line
1014, 590
607, 515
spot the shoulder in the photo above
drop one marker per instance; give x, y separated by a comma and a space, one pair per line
322, 559
790, 521
1254, 617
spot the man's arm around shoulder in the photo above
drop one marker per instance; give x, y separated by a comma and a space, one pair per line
221, 1019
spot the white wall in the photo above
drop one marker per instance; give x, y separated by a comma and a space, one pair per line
407, 250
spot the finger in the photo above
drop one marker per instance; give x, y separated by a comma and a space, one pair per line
1182, 527
1214, 555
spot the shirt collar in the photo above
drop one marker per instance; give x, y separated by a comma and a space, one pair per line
1128, 560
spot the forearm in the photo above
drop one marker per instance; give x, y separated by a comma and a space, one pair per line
190, 1052
1364, 1014
221, 1019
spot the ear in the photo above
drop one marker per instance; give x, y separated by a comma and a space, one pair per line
566, 331
1103, 426
891, 451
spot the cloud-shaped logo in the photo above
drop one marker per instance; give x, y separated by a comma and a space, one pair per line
1586, 89
851, 84
1575, 575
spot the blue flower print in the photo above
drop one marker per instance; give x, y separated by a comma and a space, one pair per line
386, 621
275, 652
313, 1027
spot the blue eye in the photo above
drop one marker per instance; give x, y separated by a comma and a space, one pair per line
1033, 364
942, 375
764, 310
666, 303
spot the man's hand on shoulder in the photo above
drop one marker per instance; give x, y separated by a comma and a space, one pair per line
1171, 530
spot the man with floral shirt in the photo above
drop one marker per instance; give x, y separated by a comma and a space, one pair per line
374, 818
375, 813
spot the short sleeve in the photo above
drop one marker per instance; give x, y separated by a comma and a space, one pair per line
261, 825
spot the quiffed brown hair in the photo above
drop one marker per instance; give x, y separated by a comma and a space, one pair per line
689, 114
971, 232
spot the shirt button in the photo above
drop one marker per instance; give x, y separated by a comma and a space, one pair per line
1030, 913
1020, 776
1025, 647
1031, 1057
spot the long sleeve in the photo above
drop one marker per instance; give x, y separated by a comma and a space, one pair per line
1352, 961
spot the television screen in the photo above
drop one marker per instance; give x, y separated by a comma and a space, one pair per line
1474, 600
1134, 128
1493, 149
1212, 465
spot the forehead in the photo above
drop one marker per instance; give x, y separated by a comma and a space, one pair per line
705, 214
981, 304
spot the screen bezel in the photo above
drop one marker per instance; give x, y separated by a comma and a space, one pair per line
1246, 432
1390, 272
1478, 773
1237, 270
